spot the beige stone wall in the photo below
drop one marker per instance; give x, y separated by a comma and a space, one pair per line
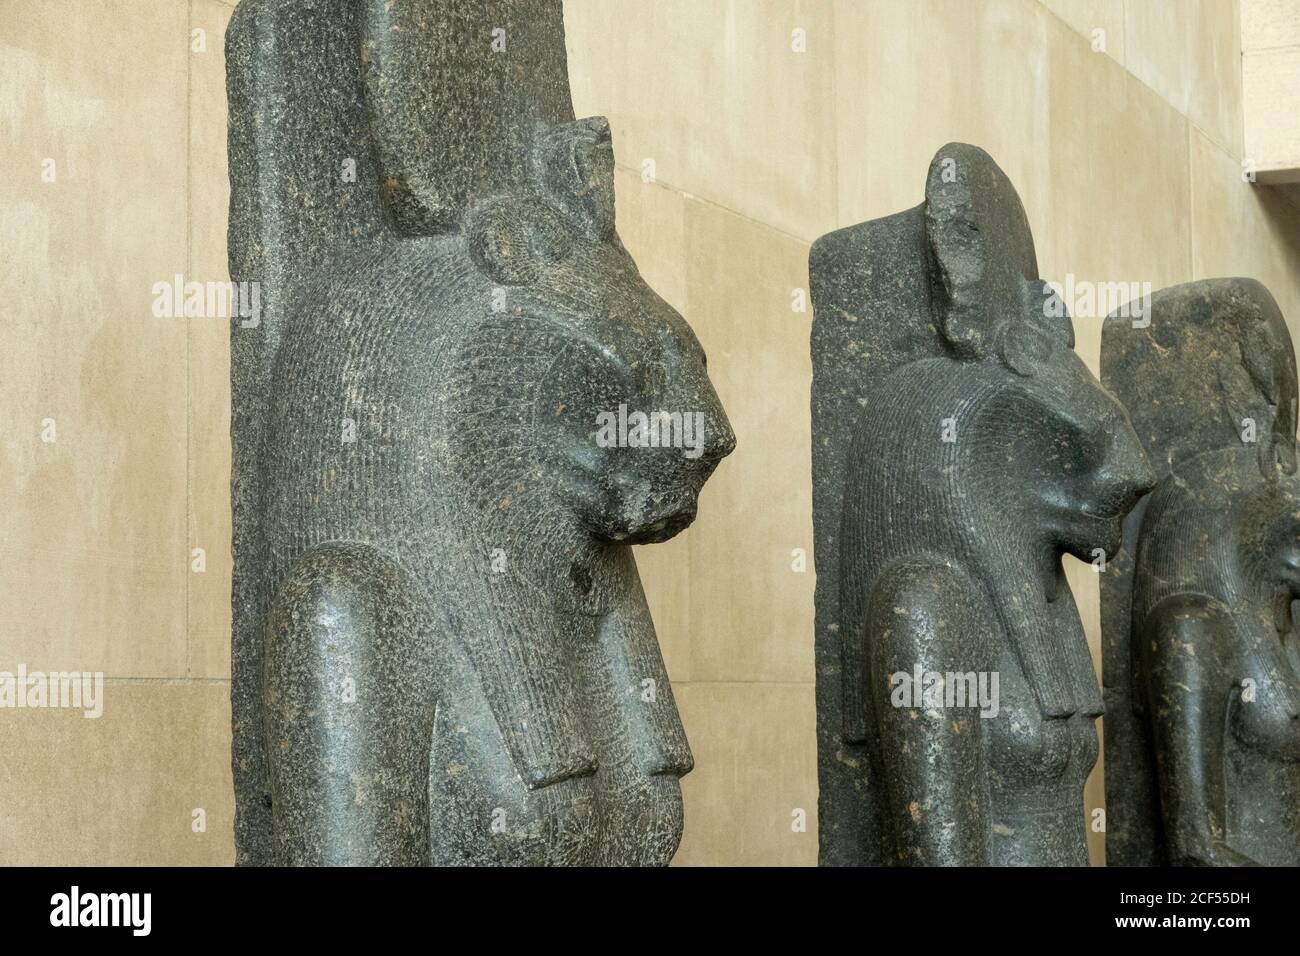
1270, 73
99, 524
1127, 158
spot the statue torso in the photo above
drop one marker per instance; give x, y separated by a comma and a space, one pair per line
575, 650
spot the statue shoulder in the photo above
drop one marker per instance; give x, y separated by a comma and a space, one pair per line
1189, 614
932, 606
1191, 628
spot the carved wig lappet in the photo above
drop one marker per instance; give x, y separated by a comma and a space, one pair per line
1201, 655
442, 653
961, 447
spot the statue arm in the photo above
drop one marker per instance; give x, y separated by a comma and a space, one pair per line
1186, 651
350, 702
922, 614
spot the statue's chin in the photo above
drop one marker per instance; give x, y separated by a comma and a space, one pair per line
1080, 533
653, 531
1104, 533
663, 530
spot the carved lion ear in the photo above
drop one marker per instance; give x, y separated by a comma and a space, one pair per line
981, 250
572, 166
1269, 360
514, 239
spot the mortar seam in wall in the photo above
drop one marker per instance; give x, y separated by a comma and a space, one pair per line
166, 680
1124, 38
1241, 86
1255, 187
1270, 49
1123, 65
1210, 137
1192, 122
703, 200
189, 384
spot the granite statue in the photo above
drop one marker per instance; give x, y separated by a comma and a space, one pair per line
1201, 652
441, 649
960, 448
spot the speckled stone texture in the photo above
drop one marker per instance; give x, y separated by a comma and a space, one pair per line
441, 650
1201, 656
960, 448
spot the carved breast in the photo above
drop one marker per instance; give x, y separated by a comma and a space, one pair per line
1029, 753
1037, 769
1266, 712
619, 804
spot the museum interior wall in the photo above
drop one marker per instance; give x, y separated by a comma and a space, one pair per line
743, 131
1270, 82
